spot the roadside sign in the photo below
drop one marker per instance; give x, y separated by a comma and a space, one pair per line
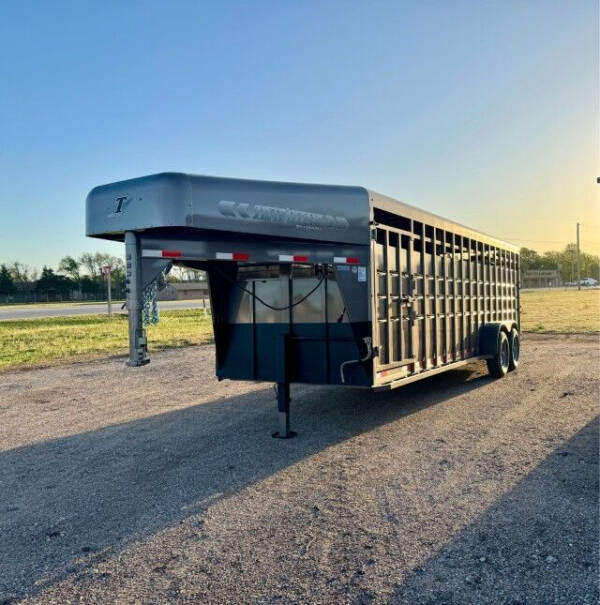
106, 270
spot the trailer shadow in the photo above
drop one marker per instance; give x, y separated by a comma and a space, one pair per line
69, 502
536, 544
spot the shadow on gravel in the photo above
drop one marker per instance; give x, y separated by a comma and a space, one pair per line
537, 544
67, 503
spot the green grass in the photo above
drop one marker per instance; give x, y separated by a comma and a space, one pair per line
52, 340
565, 311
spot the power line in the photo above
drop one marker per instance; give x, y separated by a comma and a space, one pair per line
548, 241
534, 241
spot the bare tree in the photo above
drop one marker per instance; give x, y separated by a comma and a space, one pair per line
93, 263
69, 267
22, 273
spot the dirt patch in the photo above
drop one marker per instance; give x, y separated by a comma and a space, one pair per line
159, 484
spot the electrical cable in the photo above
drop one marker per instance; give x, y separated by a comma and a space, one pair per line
266, 304
368, 355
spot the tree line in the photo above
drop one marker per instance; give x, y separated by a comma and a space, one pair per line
74, 279
564, 262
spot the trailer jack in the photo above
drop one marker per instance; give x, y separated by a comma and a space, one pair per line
283, 407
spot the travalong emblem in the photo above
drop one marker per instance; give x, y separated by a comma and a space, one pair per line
286, 216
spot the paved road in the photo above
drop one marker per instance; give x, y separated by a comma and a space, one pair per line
33, 311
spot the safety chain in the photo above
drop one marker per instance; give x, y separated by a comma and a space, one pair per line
150, 312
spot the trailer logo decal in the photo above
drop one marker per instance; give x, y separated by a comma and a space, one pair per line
286, 216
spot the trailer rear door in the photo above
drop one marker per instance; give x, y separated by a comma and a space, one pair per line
396, 298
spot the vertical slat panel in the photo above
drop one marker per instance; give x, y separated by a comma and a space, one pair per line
513, 297
400, 295
499, 283
463, 314
518, 278
411, 293
509, 283
436, 319
490, 309
454, 296
477, 293
504, 286
492, 284
388, 300
485, 282
470, 296
499, 287
509, 256
488, 284
496, 279
425, 294
509, 287
502, 280
445, 276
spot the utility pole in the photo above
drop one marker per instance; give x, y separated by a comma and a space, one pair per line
578, 262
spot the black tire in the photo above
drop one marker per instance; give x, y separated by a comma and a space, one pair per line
515, 349
498, 365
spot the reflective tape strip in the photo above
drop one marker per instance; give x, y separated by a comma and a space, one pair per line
345, 260
293, 258
232, 256
161, 253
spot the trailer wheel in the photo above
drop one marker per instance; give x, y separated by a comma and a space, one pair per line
498, 365
515, 349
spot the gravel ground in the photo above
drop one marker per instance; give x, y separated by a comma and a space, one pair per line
159, 484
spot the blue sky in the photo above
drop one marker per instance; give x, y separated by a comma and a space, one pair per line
484, 112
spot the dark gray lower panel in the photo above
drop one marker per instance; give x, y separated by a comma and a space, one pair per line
314, 353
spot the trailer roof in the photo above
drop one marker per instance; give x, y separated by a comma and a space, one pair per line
393, 206
329, 213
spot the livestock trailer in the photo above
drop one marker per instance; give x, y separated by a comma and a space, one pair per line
317, 284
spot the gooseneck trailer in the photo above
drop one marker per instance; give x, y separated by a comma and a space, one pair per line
316, 283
